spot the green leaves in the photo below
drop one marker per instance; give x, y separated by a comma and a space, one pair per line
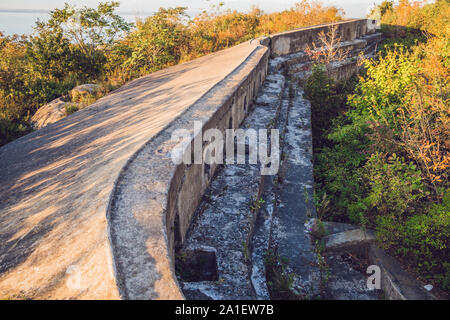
380, 94
84, 35
158, 41
422, 240
394, 186
88, 27
384, 162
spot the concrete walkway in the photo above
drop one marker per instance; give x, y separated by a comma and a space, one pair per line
55, 183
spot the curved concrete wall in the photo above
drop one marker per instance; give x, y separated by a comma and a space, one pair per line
297, 40
56, 183
113, 157
155, 199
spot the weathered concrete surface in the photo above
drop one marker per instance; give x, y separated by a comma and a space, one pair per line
263, 226
290, 237
154, 199
346, 283
224, 221
226, 218
396, 283
337, 227
347, 239
296, 40
60, 186
55, 183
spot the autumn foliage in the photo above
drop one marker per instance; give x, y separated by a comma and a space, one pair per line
382, 156
100, 47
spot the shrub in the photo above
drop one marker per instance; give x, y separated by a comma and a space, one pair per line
328, 100
319, 87
422, 240
385, 162
393, 188
11, 130
337, 168
71, 108
404, 98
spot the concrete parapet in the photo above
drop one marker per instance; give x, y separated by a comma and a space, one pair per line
296, 40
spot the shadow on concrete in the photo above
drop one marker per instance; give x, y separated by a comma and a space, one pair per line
56, 181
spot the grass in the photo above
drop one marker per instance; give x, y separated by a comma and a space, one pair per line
279, 279
71, 108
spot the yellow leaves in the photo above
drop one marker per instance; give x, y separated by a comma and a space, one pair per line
218, 29
434, 19
421, 81
435, 179
306, 12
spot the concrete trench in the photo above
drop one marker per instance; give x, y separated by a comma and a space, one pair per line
243, 216
102, 201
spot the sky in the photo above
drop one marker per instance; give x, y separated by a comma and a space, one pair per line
153, 5
21, 22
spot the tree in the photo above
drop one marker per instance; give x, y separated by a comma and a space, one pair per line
92, 31
158, 41
50, 54
329, 49
386, 6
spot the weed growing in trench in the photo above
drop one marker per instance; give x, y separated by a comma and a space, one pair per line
279, 279
255, 204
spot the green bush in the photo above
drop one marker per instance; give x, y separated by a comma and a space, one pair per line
393, 188
382, 160
319, 87
71, 108
11, 130
337, 169
422, 240
328, 101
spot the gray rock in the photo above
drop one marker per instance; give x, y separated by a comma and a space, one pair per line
49, 113
86, 88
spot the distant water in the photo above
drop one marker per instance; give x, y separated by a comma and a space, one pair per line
23, 22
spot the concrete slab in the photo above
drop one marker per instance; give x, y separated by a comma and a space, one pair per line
295, 209
346, 239
396, 283
225, 219
55, 183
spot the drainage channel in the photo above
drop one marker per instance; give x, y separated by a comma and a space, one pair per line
223, 226
250, 236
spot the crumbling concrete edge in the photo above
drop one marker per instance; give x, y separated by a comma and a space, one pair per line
120, 276
396, 283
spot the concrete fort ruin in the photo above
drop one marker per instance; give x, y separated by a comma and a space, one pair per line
92, 207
